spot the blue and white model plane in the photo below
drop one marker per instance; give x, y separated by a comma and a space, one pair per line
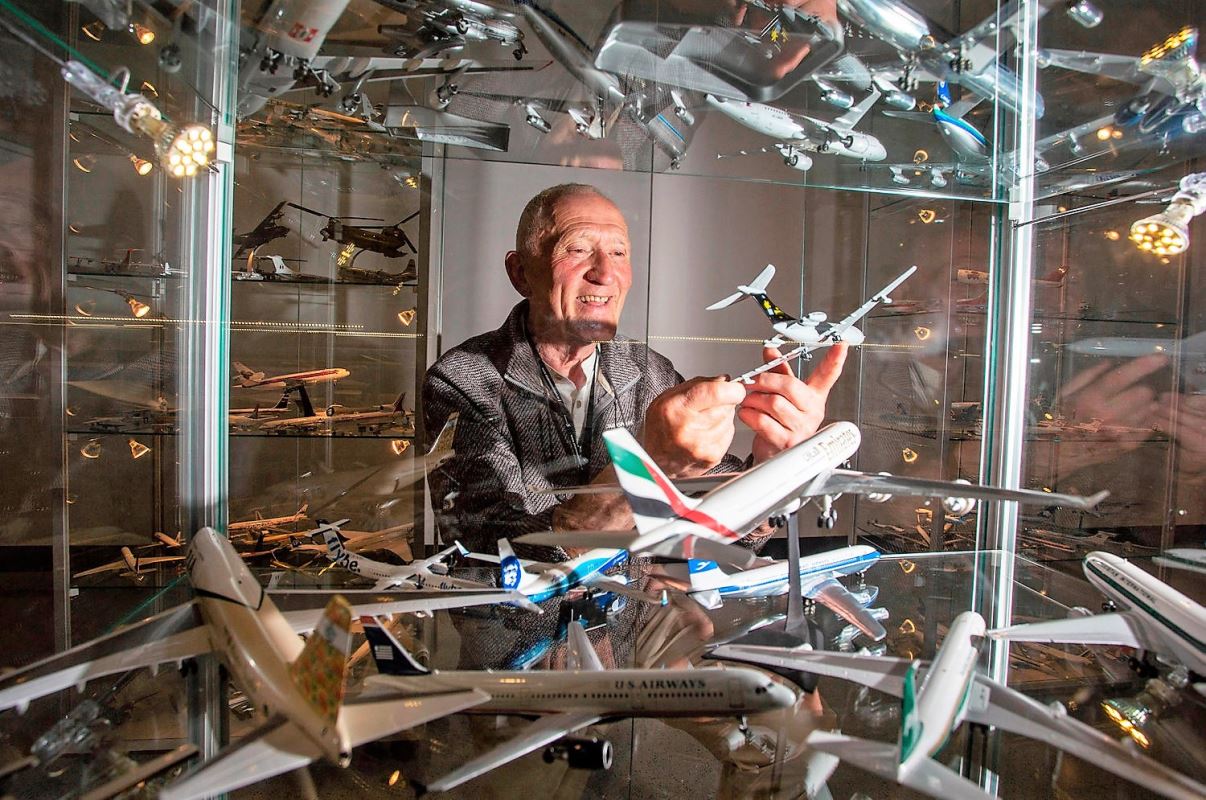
937, 699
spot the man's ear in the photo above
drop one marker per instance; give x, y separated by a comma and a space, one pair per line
515, 272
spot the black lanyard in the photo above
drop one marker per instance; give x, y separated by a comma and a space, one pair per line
575, 444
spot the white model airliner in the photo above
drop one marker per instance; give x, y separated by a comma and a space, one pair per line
568, 700
813, 330
671, 524
298, 687
798, 134
1152, 617
952, 692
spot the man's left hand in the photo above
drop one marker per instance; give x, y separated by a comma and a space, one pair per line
783, 410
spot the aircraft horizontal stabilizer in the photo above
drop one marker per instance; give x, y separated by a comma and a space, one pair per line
926, 776
882, 673
834, 596
726, 302
1121, 629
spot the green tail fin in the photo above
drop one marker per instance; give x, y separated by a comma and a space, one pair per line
910, 725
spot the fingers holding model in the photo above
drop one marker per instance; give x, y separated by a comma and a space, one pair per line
783, 410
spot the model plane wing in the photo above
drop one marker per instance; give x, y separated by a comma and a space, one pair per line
1019, 714
882, 296
379, 604
371, 718
879, 758
543, 732
1122, 629
580, 654
1118, 67
834, 596
114, 566
882, 673
843, 481
173, 635
684, 546
275, 747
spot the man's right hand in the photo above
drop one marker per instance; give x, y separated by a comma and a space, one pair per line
689, 427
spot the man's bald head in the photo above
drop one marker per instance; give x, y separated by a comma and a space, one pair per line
536, 221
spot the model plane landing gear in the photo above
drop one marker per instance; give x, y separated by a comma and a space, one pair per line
828, 516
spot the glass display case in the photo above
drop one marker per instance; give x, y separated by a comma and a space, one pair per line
250, 246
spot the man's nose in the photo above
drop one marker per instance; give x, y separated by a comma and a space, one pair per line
604, 268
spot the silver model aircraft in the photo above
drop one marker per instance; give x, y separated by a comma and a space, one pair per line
1151, 616
436, 27
247, 378
798, 134
292, 683
567, 701
937, 699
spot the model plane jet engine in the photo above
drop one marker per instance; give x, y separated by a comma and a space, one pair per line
581, 752
959, 506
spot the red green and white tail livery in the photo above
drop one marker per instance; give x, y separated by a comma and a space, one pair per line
939, 697
670, 524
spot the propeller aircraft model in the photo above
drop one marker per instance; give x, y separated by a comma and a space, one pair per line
952, 692
568, 700
1151, 617
798, 134
293, 684
813, 330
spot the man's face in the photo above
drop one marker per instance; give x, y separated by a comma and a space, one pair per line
577, 284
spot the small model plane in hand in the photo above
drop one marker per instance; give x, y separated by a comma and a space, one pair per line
810, 332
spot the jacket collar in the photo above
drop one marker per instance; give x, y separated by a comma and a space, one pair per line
619, 361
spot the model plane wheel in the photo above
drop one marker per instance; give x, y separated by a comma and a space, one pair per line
827, 521
792, 160
518, 53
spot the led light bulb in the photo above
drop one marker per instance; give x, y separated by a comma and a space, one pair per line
138, 308
91, 449
138, 449
406, 317
181, 150
1167, 233
141, 165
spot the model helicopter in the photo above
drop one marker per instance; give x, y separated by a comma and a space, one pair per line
388, 240
268, 229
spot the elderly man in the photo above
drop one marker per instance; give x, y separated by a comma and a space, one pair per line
536, 395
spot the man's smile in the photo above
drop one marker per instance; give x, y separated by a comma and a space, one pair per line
594, 299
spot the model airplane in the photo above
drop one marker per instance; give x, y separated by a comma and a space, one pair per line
273, 268
810, 332
670, 524
708, 584
1152, 617
246, 527
1172, 101
798, 134
130, 565
436, 27
964, 139
422, 573
971, 59
951, 693
250, 379
374, 419
388, 240
1191, 351
566, 701
297, 686
350, 274
268, 229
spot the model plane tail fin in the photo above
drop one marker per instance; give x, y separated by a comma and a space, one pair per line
910, 723
319, 671
512, 576
655, 500
443, 443
398, 403
388, 653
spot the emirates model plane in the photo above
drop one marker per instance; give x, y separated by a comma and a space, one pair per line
813, 330
798, 134
297, 686
671, 524
1151, 616
248, 378
951, 692
568, 700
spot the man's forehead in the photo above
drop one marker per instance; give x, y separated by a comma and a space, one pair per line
588, 209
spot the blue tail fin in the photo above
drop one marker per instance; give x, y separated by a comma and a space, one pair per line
389, 655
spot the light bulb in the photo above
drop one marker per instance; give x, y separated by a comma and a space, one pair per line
142, 33
399, 446
91, 449
141, 165
1167, 233
138, 308
406, 317
93, 30
138, 449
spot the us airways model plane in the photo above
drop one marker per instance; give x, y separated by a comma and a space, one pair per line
567, 701
813, 330
798, 134
1152, 617
952, 692
709, 584
671, 524
297, 687
248, 378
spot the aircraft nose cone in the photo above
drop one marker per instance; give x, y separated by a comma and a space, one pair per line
780, 696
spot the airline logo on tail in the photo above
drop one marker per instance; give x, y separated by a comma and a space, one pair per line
910, 727
653, 498
511, 574
319, 671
